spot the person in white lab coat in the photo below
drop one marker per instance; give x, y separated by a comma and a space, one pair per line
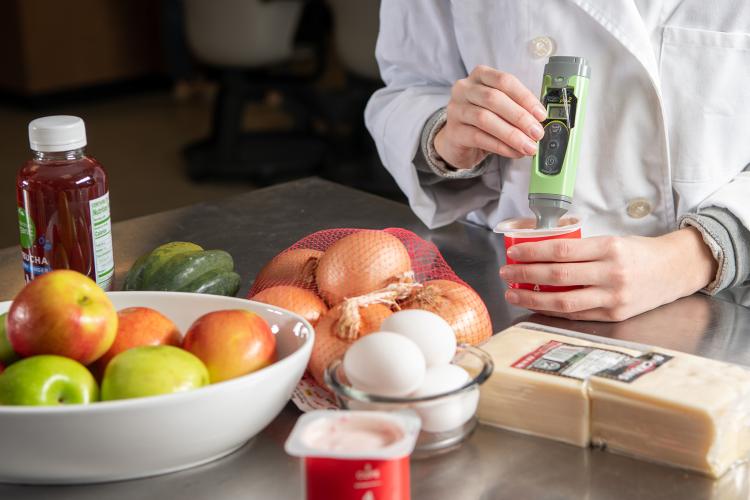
662, 181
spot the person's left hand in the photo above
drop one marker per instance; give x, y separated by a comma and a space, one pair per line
622, 276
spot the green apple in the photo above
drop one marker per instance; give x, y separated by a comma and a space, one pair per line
152, 370
47, 380
7, 354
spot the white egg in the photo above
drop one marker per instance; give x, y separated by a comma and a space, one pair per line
451, 412
430, 332
386, 364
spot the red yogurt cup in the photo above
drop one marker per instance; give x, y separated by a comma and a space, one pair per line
523, 230
355, 454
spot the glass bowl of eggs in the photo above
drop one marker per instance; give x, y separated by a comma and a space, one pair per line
393, 371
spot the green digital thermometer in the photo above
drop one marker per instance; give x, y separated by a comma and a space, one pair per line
553, 172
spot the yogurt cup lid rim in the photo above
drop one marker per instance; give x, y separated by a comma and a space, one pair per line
500, 229
407, 421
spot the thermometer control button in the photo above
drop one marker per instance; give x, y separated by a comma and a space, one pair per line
552, 148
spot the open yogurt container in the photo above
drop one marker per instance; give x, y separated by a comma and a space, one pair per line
353, 454
523, 230
447, 418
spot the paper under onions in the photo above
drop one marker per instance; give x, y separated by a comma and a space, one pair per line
361, 263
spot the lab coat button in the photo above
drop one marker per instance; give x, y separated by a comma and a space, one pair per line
639, 208
542, 46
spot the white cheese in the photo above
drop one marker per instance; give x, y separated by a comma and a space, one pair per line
527, 401
689, 412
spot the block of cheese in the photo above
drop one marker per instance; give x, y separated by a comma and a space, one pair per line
651, 403
533, 402
690, 412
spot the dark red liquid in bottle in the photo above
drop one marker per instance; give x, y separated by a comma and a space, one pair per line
62, 197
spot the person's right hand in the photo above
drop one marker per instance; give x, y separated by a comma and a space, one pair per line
489, 112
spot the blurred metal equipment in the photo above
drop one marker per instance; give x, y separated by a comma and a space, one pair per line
250, 47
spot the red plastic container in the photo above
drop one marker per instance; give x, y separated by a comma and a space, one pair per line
355, 455
523, 230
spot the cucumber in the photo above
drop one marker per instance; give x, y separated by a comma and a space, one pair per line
215, 283
159, 258
135, 276
183, 269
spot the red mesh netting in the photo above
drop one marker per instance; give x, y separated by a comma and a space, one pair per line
346, 281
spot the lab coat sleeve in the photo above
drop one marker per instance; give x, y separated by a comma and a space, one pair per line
729, 242
419, 62
733, 197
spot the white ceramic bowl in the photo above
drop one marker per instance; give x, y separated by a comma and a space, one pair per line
142, 437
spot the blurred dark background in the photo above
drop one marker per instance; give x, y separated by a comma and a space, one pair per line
193, 100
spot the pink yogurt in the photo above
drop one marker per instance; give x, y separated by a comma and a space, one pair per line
354, 455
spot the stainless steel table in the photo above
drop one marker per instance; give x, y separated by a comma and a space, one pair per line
493, 463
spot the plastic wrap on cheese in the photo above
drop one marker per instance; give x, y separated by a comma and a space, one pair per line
691, 412
532, 402
660, 405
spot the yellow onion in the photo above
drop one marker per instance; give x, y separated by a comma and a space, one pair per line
295, 299
329, 345
294, 267
360, 263
457, 304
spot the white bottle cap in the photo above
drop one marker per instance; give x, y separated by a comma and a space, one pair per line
57, 133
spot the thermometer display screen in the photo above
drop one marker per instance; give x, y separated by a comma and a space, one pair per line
556, 112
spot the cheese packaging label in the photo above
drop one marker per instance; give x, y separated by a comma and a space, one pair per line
635, 367
581, 362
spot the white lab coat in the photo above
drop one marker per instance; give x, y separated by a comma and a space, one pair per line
667, 127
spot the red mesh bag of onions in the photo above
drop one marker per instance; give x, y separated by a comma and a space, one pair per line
347, 281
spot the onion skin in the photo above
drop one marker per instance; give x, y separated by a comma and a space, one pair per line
328, 346
360, 263
459, 305
295, 299
294, 267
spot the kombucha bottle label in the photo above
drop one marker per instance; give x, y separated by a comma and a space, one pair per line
28, 230
101, 235
34, 261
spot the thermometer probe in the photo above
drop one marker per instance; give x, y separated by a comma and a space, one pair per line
553, 173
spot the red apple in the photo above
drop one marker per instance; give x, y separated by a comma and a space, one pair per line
63, 313
2, 368
137, 326
231, 343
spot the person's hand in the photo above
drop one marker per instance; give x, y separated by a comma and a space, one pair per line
622, 276
489, 112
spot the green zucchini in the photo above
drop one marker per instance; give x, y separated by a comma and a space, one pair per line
181, 266
159, 258
185, 268
215, 283
135, 275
